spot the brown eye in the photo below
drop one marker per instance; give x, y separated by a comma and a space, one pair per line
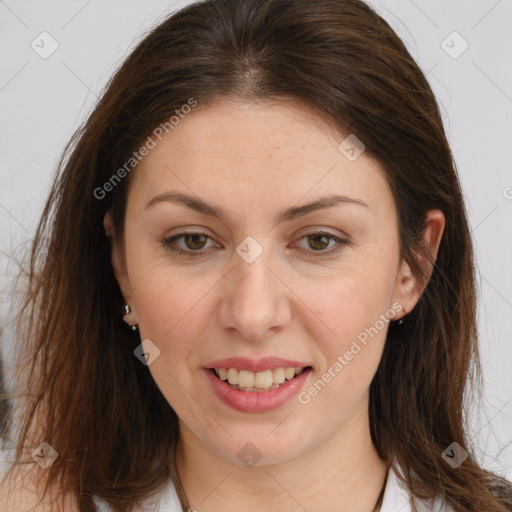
318, 241
195, 241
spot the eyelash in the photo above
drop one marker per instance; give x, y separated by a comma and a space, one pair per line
169, 243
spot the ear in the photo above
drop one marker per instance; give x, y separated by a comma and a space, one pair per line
119, 267
408, 287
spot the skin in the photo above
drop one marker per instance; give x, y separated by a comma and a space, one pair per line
294, 301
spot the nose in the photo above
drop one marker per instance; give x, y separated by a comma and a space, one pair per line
255, 302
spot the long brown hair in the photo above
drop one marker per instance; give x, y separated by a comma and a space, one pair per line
84, 391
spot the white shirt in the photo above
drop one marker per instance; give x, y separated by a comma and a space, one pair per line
395, 499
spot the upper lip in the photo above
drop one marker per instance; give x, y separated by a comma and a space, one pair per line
266, 363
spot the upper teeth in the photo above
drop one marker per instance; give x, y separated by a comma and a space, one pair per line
266, 379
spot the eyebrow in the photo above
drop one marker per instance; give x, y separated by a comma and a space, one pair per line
198, 205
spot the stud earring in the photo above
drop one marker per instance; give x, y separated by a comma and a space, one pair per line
401, 321
126, 311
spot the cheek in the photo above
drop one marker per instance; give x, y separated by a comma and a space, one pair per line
352, 315
165, 295
170, 309
349, 304
174, 308
350, 356
172, 315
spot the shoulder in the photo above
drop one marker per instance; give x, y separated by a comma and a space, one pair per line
18, 490
165, 501
18, 494
397, 497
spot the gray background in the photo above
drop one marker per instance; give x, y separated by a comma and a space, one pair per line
43, 100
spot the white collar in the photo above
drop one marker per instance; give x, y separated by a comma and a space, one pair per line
397, 499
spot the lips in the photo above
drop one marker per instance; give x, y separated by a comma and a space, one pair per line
256, 386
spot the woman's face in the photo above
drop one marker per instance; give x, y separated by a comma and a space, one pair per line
261, 283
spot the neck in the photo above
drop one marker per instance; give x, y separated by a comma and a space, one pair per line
343, 474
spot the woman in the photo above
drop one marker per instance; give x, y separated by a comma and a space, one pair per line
252, 285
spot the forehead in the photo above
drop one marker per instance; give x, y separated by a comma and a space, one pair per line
241, 130
277, 150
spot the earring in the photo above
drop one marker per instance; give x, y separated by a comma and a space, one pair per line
126, 311
401, 321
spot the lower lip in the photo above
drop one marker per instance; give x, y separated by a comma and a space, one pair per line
247, 401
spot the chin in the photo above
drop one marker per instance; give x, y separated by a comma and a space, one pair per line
266, 444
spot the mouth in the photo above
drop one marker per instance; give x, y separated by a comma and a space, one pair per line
257, 382
256, 385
